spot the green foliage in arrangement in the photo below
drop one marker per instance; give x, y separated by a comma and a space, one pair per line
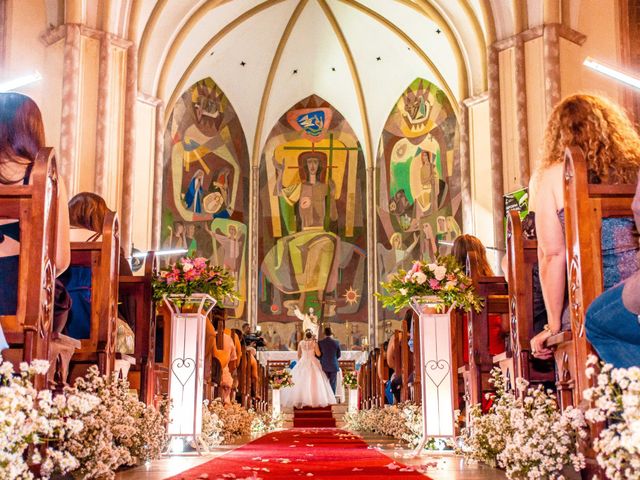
194, 275
442, 283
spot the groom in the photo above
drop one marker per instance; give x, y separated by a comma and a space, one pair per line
329, 355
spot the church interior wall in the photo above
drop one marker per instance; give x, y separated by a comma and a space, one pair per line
536, 113
84, 162
508, 117
29, 21
144, 173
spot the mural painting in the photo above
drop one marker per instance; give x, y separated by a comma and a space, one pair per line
418, 182
312, 237
206, 183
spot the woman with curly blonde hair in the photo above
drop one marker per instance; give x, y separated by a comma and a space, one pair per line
612, 149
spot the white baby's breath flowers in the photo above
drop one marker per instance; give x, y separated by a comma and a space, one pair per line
29, 418
616, 400
526, 435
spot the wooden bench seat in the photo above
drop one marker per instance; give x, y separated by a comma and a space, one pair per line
103, 259
29, 332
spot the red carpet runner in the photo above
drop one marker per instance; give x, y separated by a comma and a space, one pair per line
319, 454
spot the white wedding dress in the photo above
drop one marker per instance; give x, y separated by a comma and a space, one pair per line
311, 387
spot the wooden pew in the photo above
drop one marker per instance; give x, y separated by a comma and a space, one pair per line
103, 259
476, 372
585, 207
517, 361
29, 330
140, 291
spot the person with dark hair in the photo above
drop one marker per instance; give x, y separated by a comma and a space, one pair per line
462, 246
21, 138
87, 212
311, 387
329, 355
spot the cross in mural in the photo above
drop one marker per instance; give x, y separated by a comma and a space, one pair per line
331, 148
313, 247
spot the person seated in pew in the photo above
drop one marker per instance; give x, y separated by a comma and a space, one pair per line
613, 319
253, 364
86, 215
394, 357
226, 356
21, 138
612, 149
498, 325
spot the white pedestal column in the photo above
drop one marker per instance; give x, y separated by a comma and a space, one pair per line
353, 399
186, 379
275, 402
436, 375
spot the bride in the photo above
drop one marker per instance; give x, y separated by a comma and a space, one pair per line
311, 386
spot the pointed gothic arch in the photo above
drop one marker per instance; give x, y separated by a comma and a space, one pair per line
312, 238
418, 187
205, 206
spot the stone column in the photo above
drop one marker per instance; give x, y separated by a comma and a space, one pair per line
70, 104
465, 170
129, 146
103, 119
252, 254
158, 174
521, 112
495, 118
372, 270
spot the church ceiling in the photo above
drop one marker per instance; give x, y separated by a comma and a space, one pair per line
359, 55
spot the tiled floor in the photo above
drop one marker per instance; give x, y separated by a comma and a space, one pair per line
441, 466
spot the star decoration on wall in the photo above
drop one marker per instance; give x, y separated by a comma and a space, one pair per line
351, 296
378, 58
438, 31
243, 63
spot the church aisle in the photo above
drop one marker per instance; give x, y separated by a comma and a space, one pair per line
324, 453
335, 454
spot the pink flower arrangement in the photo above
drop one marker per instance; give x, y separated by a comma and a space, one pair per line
443, 279
194, 275
280, 379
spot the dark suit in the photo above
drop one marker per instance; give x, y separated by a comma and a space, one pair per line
329, 355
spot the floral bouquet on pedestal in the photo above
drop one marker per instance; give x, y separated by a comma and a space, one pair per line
194, 275
442, 282
350, 380
280, 379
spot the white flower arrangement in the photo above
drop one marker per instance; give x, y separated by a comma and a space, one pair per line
121, 430
527, 436
616, 400
266, 422
29, 418
402, 421
225, 423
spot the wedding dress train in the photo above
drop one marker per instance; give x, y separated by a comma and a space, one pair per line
311, 387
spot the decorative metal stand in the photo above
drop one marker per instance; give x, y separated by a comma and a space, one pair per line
437, 378
186, 380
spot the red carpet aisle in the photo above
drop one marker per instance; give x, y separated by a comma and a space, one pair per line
320, 454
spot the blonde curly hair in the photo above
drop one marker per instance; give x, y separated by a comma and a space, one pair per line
601, 129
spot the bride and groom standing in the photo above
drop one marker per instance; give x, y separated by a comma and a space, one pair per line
314, 376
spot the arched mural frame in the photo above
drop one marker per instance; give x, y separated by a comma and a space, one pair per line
418, 185
206, 185
312, 225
